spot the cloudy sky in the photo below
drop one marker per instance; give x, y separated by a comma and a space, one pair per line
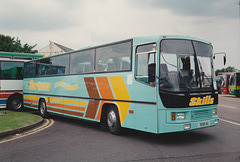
80, 23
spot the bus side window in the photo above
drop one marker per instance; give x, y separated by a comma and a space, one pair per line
43, 67
60, 65
11, 70
109, 58
125, 65
82, 62
145, 56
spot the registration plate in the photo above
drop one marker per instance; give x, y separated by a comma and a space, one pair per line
203, 124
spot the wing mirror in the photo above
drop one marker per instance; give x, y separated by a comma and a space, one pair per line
224, 57
152, 72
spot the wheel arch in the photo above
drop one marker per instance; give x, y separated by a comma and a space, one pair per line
105, 108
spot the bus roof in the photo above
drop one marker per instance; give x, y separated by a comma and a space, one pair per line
139, 40
148, 39
20, 54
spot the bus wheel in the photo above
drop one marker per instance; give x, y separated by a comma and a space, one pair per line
113, 121
15, 102
43, 108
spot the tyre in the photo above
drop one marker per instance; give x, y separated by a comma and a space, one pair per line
15, 102
43, 108
113, 122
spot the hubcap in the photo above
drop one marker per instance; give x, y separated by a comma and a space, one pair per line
111, 119
16, 104
42, 108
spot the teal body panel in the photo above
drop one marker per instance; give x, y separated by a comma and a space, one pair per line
194, 116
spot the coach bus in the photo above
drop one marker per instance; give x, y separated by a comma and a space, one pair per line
11, 76
154, 84
234, 84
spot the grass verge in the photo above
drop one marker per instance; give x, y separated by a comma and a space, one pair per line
12, 120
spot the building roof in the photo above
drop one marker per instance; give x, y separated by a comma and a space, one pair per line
64, 48
54, 48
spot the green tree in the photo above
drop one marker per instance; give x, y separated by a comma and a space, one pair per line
12, 44
228, 69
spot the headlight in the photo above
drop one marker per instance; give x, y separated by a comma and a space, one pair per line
187, 126
180, 116
214, 111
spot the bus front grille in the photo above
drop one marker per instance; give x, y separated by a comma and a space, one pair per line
201, 115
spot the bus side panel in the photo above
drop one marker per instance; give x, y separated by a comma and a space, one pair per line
31, 101
142, 117
81, 96
9, 87
232, 89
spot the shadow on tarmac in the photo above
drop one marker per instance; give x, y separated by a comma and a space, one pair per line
177, 138
170, 139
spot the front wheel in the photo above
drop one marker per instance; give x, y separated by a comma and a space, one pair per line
15, 103
43, 108
113, 121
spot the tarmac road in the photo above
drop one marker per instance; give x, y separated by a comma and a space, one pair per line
75, 140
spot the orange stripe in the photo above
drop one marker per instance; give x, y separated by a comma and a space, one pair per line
66, 111
93, 93
104, 87
31, 101
105, 91
79, 108
30, 105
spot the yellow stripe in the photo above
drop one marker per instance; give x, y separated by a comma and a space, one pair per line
121, 93
67, 101
31, 97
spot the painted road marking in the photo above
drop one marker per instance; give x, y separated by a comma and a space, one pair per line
48, 123
231, 107
231, 122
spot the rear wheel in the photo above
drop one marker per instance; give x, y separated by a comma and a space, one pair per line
15, 102
43, 108
113, 121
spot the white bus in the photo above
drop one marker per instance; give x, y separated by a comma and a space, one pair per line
11, 78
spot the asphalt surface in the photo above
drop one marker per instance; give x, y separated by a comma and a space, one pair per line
76, 140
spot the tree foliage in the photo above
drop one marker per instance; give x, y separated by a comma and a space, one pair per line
228, 69
12, 44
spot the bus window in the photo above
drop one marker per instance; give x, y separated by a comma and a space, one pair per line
82, 62
43, 67
30, 70
238, 79
125, 63
11, 70
232, 80
60, 65
22, 58
5, 57
113, 57
145, 56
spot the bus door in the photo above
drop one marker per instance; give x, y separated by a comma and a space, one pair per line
145, 109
